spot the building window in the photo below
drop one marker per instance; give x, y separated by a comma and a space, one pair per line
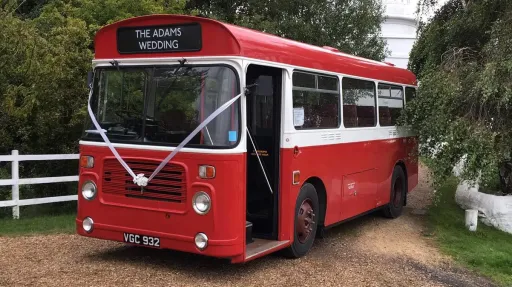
316, 101
358, 103
391, 104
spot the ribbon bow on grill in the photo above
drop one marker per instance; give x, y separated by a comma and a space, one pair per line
141, 180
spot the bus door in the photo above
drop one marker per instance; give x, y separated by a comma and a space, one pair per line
264, 127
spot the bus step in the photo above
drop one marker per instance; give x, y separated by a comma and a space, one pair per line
260, 247
248, 232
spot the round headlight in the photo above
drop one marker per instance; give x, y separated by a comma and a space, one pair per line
89, 190
201, 202
201, 241
88, 224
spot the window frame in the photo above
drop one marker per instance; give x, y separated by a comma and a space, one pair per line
405, 93
376, 120
104, 67
333, 92
389, 85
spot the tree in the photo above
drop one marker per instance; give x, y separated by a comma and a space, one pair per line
464, 101
47, 47
350, 26
44, 63
45, 53
26, 9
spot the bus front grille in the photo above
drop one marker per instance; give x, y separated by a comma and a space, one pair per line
168, 185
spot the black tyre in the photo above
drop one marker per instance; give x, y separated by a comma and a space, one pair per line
307, 209
398, 192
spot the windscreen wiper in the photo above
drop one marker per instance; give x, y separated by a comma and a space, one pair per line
115, 63
182, 64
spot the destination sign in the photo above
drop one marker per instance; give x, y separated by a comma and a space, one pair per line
159, 39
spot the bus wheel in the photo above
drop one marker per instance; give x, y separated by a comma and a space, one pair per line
395, 207
307, 209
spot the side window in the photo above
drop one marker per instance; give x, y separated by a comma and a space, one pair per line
410, 94
316, 101
391, 104
358, 103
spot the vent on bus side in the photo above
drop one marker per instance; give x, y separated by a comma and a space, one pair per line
168, 185
393, 134
331, 136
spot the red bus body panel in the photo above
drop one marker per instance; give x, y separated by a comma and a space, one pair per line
175, 224
220, 39
334, 165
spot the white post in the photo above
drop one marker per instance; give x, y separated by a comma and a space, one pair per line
15, 172
471, 219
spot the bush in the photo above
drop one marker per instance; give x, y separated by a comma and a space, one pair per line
464, 101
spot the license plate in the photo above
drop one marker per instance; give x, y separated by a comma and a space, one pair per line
142, 240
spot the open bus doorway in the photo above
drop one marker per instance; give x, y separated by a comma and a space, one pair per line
264, 125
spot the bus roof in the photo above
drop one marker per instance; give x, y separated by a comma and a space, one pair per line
120, 40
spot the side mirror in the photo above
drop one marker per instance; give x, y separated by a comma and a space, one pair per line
263, 86
89, 78
250, 89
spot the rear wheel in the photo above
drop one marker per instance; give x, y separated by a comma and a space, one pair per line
398, 191
307, 209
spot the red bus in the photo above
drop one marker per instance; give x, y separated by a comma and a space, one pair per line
219, 140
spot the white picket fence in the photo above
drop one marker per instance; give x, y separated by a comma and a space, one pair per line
16, 181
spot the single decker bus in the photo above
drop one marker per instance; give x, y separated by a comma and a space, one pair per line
214, 139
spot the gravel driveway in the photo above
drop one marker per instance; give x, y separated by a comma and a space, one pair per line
369, 251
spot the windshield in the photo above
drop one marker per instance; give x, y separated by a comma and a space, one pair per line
165, 104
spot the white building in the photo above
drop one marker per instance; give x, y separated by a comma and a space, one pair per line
399, 29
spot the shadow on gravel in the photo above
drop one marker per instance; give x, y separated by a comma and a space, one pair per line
324, 250
352, 227
190, 264
197, 265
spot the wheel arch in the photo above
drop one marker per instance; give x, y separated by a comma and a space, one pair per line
402, 165
322, 197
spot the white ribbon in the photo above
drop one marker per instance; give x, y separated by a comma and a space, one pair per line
105, 138
140, 179
193, 134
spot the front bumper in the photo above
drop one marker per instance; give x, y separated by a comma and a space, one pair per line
216, 248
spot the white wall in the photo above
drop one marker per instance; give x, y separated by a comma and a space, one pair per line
399, 29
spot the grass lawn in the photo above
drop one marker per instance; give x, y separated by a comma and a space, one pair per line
40, 225
487, 251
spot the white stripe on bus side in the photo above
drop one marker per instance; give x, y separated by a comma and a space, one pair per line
309, 138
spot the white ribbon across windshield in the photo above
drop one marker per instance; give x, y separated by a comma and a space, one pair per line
141, 179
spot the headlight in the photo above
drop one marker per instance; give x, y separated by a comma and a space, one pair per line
89, 190
201, 241
201, 203
88, 224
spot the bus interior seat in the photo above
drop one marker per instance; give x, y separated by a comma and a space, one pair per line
384, 116
365, 116
350, 116
329, 116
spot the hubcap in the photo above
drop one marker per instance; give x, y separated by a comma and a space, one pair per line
305, 220
397, 190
